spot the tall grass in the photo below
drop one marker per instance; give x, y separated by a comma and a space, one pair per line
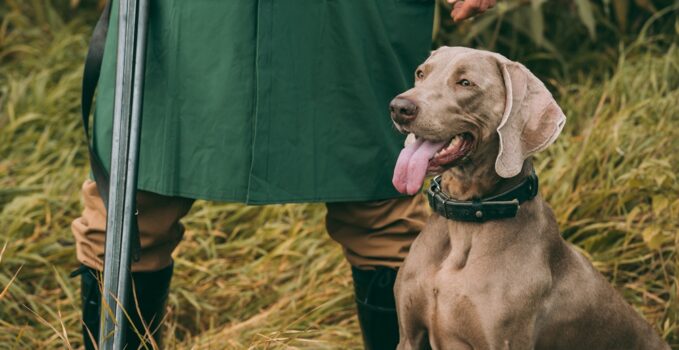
562, 39
269, 277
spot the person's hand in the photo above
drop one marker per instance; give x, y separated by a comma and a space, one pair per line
463, 9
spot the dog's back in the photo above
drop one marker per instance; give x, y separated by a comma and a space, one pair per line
583, 311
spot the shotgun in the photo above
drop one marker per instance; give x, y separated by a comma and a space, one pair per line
121, 225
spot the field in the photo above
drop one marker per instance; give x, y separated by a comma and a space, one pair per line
269, 277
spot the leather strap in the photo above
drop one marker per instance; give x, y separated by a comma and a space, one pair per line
91, 73
95, 55
502, 206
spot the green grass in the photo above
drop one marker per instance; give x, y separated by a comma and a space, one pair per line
269, 277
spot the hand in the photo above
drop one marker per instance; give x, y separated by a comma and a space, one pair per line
463, 9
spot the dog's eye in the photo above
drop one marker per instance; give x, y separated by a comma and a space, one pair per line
419, 74
465, 82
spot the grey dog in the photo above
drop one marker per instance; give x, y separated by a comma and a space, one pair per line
476, 118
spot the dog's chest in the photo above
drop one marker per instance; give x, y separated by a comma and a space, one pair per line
455, 278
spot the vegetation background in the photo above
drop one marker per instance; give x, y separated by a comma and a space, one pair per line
269, 277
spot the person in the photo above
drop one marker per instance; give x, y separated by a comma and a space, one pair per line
263, 102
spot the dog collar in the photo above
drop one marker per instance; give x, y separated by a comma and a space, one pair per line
502, 206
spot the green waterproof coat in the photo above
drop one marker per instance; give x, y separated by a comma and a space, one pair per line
271, 101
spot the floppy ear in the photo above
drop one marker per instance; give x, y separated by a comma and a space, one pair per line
531, 121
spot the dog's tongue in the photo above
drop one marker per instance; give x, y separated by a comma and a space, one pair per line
411, 166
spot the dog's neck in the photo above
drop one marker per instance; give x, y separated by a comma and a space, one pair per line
472, 180
477, 182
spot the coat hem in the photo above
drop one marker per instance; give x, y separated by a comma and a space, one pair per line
243, 200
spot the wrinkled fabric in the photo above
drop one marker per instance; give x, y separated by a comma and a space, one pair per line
263, 101
377, 233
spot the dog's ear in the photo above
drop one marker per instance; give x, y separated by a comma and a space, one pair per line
531, 120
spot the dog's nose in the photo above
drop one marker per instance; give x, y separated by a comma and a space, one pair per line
403, 110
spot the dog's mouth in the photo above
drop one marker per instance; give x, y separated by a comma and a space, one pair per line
458, 148
423, 157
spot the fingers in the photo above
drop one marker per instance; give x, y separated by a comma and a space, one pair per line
458, 9
463, 9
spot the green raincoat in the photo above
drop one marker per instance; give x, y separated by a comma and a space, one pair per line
271, 101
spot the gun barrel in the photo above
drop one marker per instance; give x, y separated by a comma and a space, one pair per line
121, 220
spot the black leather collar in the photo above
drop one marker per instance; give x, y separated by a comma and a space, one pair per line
502, 206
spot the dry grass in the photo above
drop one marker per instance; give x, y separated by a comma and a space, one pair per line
269, 277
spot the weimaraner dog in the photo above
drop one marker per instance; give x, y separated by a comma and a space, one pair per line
494, 273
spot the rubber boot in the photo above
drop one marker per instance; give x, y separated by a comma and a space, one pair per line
376, 307
90, 296
151, 290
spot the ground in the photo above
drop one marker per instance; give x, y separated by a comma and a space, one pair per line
269, 277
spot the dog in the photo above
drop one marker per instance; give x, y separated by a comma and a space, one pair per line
495, 273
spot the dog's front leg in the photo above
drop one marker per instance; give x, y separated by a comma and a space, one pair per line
514, 333
418, 342
409, 308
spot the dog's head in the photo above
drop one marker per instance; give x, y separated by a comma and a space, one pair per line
469, 107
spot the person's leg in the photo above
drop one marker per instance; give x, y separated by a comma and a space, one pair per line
160, 232
376, 237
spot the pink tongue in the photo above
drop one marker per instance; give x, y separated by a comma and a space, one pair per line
411, 166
